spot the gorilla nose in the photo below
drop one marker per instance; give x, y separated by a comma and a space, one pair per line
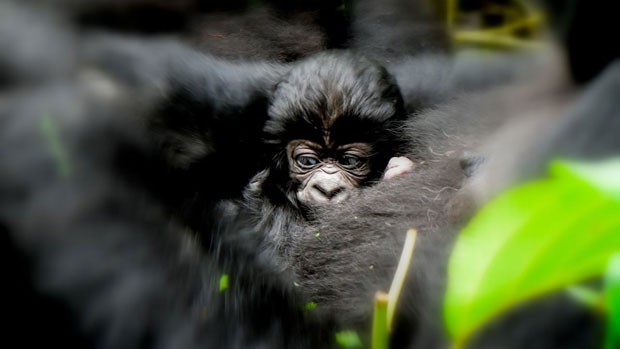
331, 192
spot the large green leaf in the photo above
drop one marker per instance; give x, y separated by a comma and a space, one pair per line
537, 238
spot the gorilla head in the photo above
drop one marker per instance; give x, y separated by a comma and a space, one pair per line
330, 128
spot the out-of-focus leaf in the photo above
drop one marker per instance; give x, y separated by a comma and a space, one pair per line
348, 340
224, 282
310, 306
612, 296
539, 237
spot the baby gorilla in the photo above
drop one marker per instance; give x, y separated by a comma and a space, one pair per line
332, 127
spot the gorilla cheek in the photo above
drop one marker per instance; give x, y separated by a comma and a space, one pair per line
323, 188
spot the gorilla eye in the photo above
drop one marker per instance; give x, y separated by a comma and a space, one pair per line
351, 161
307, 161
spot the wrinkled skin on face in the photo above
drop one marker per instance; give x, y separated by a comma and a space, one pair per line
324, 176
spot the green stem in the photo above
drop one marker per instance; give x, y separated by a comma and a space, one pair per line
399, 277
380, 337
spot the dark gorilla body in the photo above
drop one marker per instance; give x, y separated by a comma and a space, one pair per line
114, 255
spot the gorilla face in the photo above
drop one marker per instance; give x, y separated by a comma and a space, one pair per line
325, 175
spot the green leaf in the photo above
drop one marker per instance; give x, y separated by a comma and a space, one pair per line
348, 340
612, 296
537, 238
224, 282
309, 306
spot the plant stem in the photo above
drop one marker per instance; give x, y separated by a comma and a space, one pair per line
399, 277
380, 337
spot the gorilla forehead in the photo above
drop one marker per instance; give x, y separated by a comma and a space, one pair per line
330, 91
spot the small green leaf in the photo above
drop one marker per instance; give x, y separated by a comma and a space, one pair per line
224, 282
348, 340
295, 283
317, 234
309, 306
539, 237
612, 296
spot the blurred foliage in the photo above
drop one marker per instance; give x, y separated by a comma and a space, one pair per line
348, 340
538, 238
612, 298
224, 282
310, 306
505, 24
